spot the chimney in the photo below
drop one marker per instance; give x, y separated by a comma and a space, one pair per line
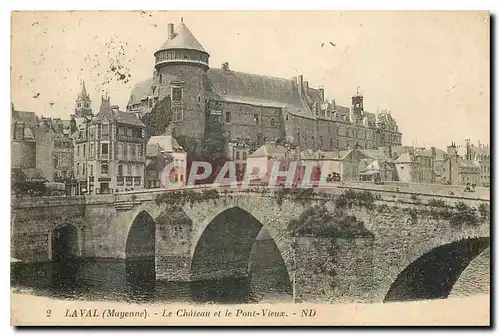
300, 84
171, 34
452, 150
467, 149
433, 163
322, 94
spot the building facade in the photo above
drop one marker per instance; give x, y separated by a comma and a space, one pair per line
460, 171
109, 151
161, 151
254, 108
481, 156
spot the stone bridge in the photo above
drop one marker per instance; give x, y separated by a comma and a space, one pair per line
418, 244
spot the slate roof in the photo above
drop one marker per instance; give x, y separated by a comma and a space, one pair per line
323, 155
404, 158
183, 39
467, 163
165, 143
112, 114
269, 151
375, 154
256, 89
140, 91
29, 118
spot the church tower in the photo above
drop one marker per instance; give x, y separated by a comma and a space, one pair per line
181, 63
83, 107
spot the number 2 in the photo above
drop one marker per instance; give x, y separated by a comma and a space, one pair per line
48, 312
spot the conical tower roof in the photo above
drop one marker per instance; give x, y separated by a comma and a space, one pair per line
183, 39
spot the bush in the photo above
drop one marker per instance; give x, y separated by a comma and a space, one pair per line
436, 202
484, 211
180, 197
316, 221
352, 197
463, 214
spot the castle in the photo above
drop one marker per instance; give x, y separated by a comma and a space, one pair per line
254, 108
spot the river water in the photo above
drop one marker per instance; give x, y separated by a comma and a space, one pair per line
134, 281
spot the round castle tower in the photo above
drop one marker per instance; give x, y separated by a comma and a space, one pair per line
181, 63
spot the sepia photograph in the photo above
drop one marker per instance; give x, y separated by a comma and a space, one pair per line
250, 168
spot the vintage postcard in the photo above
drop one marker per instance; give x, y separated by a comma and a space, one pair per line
250, 168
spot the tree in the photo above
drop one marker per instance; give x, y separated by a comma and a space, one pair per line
159, 118
188, 143
215, 143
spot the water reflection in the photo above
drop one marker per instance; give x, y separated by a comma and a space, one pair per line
133, 281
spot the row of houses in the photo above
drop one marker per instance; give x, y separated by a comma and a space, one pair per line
109, 152
401, 163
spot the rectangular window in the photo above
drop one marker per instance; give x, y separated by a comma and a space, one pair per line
176, 94
124, 149
128, 181
256, 119
177, 114
237, 155
129, 132
260, 139
91, 170
228, 116
132, 150
137, 181
84, 150
105, 130
120, 170
129, 170
244, 155
104, 169
78, 150
139, 150
91, 154
104, 149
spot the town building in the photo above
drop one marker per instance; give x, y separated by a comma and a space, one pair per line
481, 156
160, 151
109, 150
254, 108
377, 165
344, 163
23, 144
460, 171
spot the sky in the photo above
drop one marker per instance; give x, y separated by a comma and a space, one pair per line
431, 69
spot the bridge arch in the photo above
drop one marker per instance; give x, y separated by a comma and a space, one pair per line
224, 243
141, 237
65, 240
476, 277
435, 271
